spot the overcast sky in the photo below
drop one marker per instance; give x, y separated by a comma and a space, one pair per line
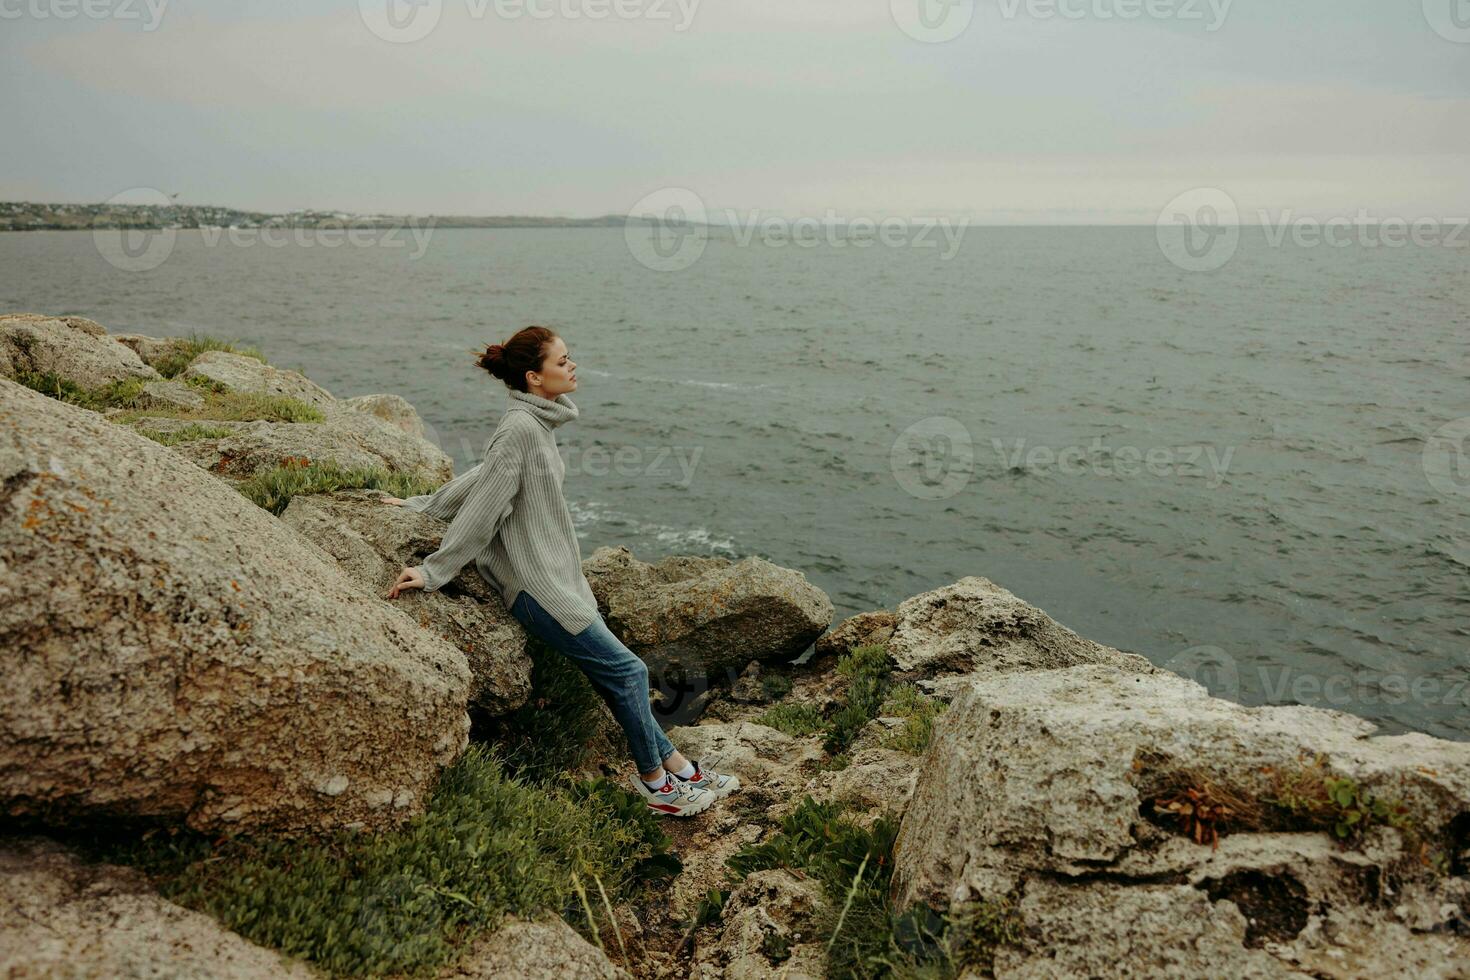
792, 106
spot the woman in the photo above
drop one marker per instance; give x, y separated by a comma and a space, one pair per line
509, 517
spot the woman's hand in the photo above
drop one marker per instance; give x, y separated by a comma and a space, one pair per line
409, 578
394, 501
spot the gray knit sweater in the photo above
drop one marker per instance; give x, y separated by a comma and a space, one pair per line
509, 517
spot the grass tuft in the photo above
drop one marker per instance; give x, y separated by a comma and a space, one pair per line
186, 433
185, 349
233, 406
864, 936
273, 489
117, 394
408, 901
866, 669
559, 727
918, 712
794, 719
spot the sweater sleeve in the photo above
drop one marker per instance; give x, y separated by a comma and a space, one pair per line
486, 501
445, 502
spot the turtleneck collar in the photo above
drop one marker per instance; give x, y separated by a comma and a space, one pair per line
550, 413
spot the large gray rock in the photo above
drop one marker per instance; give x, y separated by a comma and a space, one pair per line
706, 617
545, 948
71, 347
372, 542
1101, 930
865, 629
1042, 783
151, 350
237, 372
62, 917
771, 926
389, 408
173, 651
351, 440
170, 395
975, 625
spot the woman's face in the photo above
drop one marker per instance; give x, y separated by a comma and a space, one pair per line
558, 371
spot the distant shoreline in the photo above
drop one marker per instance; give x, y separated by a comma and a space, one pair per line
26, 216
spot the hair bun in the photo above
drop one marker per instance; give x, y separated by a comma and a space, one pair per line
493, 360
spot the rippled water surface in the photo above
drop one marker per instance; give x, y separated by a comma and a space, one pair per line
1224, 471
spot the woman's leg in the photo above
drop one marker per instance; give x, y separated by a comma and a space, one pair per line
616, 673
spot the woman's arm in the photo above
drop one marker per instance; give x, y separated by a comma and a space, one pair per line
486, 500
445, 502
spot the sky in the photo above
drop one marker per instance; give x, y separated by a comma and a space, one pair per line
1007, 111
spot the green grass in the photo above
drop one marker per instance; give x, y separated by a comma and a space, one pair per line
776, 686
918, 712
793, 719
233, 406
559, 727
273, 489
223, 406
186, 433
865, 937
408, 901
866, 669
118, 394
185, 349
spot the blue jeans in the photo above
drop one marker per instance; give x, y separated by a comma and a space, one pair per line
616, 673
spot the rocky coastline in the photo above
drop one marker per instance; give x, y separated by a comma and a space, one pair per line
215, 720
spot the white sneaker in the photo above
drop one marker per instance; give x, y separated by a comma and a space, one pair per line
675, 798
718, 784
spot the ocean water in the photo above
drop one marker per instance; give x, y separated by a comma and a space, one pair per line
1253, 474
